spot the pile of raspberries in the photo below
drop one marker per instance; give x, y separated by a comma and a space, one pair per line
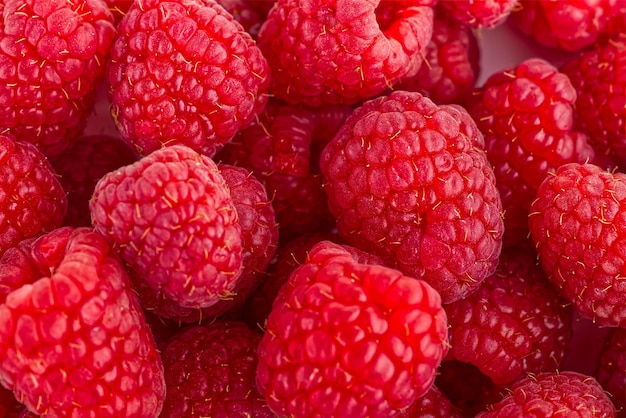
311, 208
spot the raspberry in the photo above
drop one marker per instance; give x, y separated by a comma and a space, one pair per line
279, 149
451, 64
259, 236
569, 25
350, 339
527, 116
80, 167
549, 394
210, 372
578, 223
52, 55
172, 220
432, 404
484, 14
73, 338
599, 77
611, 370
119, 8
184, 72
407, 182
32, 200
341, 52
514, 324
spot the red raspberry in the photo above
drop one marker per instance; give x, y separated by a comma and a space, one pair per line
350, 339
32, 200
52, 56
172, 219
570, 25
550, 394
333, 52
526, 114
73, 338
184, 72
515, 323
279, 149
485, 14
433, 404
407, 182
82, 165
611, 371
119, 8
259, 236
599, 77
466, 387
210, 372
578, 223
451, 64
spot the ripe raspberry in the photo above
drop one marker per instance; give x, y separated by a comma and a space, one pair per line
73, 338
433, 404
119, 8
184, 72
526, 114
210, 372
82, 165
279, 149
451, 64
406, 182
599, 77
485, 14
569, 25
52, 56
611, 371
259, 236
350, 339
32, 201
337, 52
550, 394
578, 223
172, 220
514, 324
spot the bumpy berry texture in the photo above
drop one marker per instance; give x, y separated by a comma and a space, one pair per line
52, 55
249, 15
485, 14
611, 370
184, 72
350, 339
172, 219
32, 200
80, 167
578, 224
259, 238
119, 8
551, 394
73, 338
210, 372
333, 52
527, 116
407, 180
569, 25
432, 404
515, 323
599, 77
280, 149
451, 64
